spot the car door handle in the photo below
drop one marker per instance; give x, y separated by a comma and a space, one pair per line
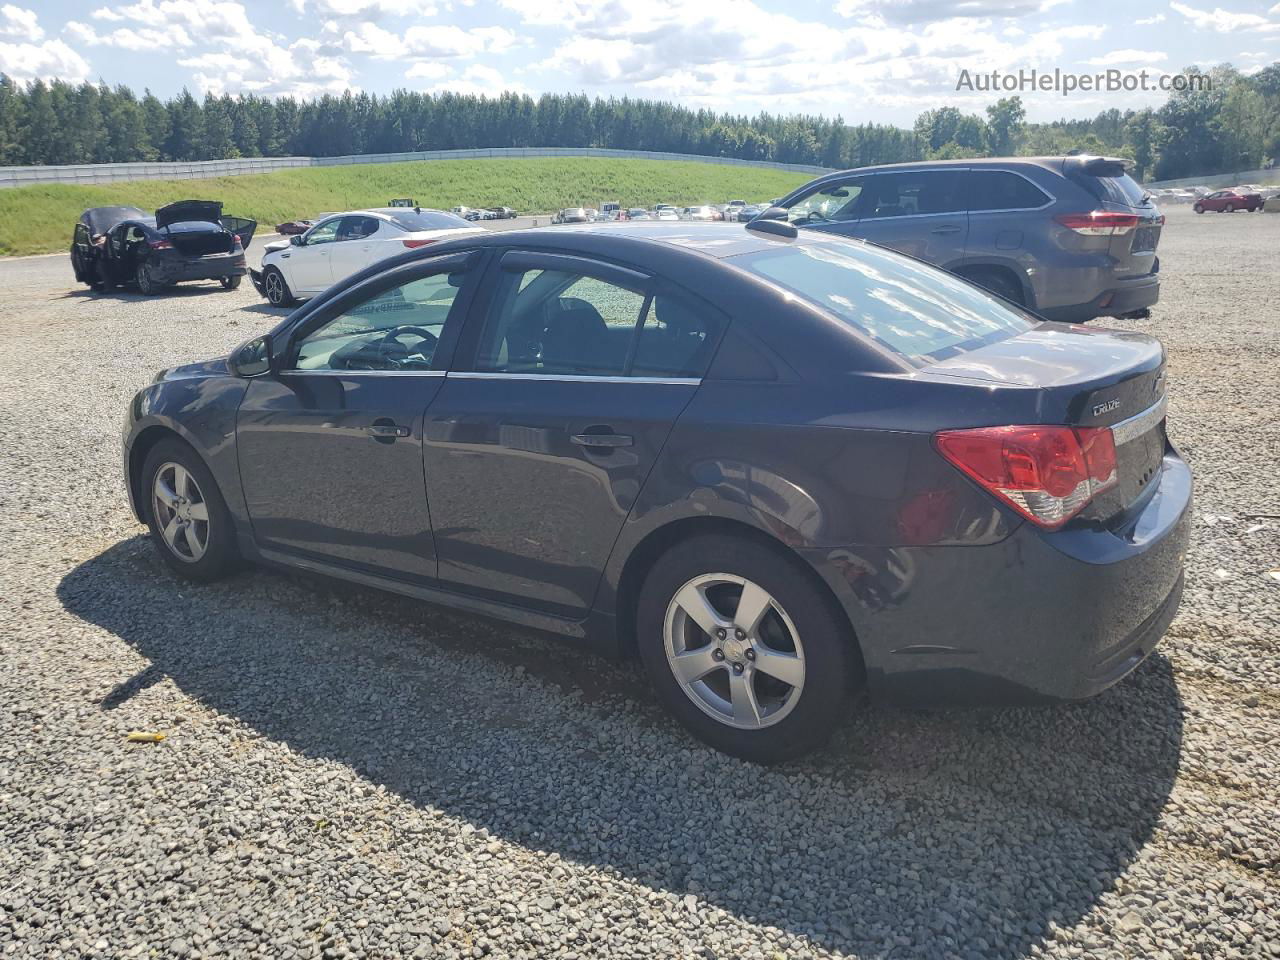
950, 228
383, 430
602, 440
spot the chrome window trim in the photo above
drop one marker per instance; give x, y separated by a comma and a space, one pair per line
362, 373
967, 212
1140, 423
567, 377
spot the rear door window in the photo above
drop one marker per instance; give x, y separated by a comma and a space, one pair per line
989, 190
912, 194
919, 312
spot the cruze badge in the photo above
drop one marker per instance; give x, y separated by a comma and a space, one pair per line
1101, 408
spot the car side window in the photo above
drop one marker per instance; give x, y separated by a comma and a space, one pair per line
1002, 190
834, 202
913, 194
676, 339
326, 232
357, 228
395, 330
559, 323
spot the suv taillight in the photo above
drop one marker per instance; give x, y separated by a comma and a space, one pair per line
1099, 223
1047, 473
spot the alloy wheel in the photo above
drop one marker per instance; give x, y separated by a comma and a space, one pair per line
734, 651
181, 512
275, 287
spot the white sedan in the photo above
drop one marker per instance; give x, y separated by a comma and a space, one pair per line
341, 244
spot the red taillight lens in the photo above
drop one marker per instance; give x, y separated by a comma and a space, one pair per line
236, 243
414, 244
1099, 223
1047, 473
160, 245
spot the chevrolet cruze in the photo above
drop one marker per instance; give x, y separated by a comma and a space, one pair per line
776, 466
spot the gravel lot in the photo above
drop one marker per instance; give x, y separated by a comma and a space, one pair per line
349, 774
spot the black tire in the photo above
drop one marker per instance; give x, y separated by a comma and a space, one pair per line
1198, 209
277, 294
825, 638
230, 283
999, 283
220, 555
1229, 208
147, 285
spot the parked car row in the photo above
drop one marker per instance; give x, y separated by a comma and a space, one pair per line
473, 214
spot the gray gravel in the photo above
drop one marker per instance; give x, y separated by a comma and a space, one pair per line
356, 775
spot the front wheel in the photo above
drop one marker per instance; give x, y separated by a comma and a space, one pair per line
190, 524
276, 289
1229, 208
744, 648
230, 283
1198, 208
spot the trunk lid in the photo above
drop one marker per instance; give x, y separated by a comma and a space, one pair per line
190, 211
1085, 377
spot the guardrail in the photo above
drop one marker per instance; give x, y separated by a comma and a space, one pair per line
90, 173
1218, 180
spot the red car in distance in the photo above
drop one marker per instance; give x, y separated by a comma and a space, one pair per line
1228, 201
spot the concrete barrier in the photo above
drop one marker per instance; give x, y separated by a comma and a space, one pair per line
90, 173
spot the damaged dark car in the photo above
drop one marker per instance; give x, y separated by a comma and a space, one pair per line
188, 240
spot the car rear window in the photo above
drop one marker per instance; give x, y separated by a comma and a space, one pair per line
415, 220
919, 312
1117, 189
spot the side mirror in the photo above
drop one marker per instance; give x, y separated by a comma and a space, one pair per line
296, 240
251, 359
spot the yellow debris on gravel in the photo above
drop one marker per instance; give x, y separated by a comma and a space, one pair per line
143, 736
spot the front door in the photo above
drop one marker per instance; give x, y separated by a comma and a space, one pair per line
309, 270
331, 445
354, 249
537, 448
919, 212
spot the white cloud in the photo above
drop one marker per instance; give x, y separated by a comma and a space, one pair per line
18, 23
903, 12
127, 38
478, 80
227, 51
1227, 21
428, 71
47, 60
1127, 57
442, 41
1149, 21
365, 9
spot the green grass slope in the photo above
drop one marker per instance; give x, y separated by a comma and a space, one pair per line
40, 219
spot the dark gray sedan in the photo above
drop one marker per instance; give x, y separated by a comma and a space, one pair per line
776, 467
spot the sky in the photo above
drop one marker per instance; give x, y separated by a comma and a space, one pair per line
863, 60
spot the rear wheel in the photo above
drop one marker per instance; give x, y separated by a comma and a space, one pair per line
230, 283
744, 648
277, 291
147, 284
998, 282
1229, 208
190, 525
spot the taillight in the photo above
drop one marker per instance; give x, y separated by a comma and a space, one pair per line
1099, 223
236, 243
414, 244
1047, 473
160, 245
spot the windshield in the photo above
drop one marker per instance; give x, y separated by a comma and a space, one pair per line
917, 311
415, 220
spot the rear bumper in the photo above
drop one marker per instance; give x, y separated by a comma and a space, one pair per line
211, 267
1123, 297
1039, 616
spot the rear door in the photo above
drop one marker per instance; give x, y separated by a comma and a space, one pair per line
1006, 218
568, 383
919, 212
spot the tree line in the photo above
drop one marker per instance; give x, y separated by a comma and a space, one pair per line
1234, 125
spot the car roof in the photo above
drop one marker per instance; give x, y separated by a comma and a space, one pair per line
619, 240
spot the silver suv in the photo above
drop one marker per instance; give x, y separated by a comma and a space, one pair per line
1071, 238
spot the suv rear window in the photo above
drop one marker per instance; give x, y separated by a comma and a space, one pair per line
919, 312
414, 221
1117, 189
